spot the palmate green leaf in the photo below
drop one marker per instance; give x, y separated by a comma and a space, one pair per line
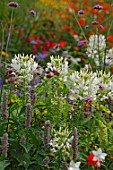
4, 164
22, 157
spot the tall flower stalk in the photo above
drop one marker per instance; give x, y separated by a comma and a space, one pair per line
28, 116
75, 144
4, 146
5, 105
47, 134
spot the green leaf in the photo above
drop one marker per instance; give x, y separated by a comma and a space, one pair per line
87, 119
105, 109
27, 147
4, 164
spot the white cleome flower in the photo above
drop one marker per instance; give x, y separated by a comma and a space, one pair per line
24, 66
74, 166
58, 64
96, 48
98, 155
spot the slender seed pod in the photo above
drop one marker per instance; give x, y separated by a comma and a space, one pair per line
75, 144
5, 144
28, 115
46, 134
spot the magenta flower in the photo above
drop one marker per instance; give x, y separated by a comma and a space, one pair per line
99, 7
13, 4
33, 12
88, 99
81, 43
80, 12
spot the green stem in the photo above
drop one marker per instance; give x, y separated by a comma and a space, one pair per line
9, 34
25, 97
9, 111
79, 26
2, 44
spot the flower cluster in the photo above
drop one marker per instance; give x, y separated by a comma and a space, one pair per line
96, 48
57, 66
25, 66
61, 141
96, 158
88, 85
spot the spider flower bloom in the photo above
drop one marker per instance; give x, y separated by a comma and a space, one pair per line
4, 144
13, 4
24, 66
98, 7
33, 12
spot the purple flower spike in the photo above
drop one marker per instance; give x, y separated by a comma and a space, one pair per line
80, 12
33, 12
81, 43
99, 7
13, 4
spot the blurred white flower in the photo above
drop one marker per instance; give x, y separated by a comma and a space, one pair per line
74, 166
